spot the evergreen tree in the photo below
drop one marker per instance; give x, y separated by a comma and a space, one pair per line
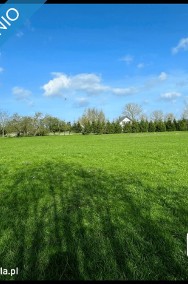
117, 127
93, 127
170, 125
135, 127
113, 127
175, 124
76, 127
143, 126
127, 128
182, 125
86, 128
99, 127
151, 126
160, 126
108, 128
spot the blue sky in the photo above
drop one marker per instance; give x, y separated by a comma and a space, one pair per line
69, 57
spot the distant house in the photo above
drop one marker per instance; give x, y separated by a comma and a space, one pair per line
124, 119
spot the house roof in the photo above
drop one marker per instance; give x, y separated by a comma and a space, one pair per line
124, 117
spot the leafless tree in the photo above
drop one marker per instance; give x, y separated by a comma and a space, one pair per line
133, 111
185, 111
169, 116
4, 118
157, 115
92, 115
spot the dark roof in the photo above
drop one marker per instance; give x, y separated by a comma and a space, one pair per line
123, 117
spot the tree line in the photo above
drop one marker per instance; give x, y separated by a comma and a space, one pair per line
37, 125
92, 121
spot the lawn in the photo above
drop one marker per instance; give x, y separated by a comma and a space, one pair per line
96, 207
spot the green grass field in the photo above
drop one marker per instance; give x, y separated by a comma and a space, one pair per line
94, 207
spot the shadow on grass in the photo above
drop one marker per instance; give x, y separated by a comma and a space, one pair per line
63, 222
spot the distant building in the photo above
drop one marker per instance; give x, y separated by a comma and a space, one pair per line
124, 119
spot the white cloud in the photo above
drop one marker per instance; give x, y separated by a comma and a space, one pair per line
30, 103
55, 86
20, 93
162, 76
19, 34
128, 59
154, 81
140, 65
23, 95
124, 91
81, 102
88, 83
1, 69
183, 44
146, 102
170, 96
